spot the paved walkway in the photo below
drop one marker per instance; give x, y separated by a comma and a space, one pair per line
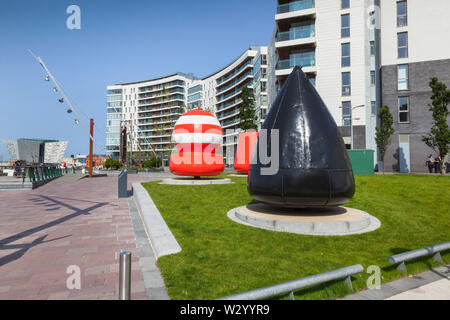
438, 290
68, 222
429, 285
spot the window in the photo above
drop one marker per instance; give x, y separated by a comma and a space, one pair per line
263, 73
373, 107
403, 109
402, 44
372, 18
372, 78
346, 113
263, 86
402, 76
346, 84
402, 14
372, 48
345, 55
345, 26
263, 59
345, 4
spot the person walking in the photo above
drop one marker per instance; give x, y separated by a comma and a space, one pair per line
430, 163
437, 164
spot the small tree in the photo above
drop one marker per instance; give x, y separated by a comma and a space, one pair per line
384, 132
439, 136
247, 112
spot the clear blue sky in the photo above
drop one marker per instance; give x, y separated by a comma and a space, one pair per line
119, 41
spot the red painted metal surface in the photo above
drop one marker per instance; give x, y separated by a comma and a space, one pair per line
198, 137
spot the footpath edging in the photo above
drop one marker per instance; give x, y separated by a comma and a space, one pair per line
162, 240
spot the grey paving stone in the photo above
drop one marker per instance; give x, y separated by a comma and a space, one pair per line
402, 285
384, 292
157, 294
153, 281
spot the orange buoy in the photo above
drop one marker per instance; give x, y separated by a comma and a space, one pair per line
246, 145
198, 137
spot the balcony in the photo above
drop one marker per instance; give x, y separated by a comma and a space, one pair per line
223, 79
297, 37
293, 62
295, 6
303, 32
235, 82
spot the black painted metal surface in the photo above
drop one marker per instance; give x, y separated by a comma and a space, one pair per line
314, 167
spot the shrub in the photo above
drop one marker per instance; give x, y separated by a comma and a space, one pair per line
115, 164
152, 163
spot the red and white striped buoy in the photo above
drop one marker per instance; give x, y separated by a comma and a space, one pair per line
198, 136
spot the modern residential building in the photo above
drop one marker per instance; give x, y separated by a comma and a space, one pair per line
414, 48
362, 54
223, 89
149, 110
335, 43
359, 54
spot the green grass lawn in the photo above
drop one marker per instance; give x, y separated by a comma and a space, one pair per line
221, 257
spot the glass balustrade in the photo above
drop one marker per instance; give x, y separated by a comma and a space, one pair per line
223, 79
234, 82
307, 61
297, 33
295, 6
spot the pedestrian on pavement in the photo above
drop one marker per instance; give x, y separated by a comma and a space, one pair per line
437, 164
430, 163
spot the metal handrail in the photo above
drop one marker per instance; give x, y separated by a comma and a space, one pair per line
37, 172
294, 285
409, 255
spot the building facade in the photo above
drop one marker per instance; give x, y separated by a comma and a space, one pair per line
335, 43
359, 54
149, 109
222, 93
35, 151
415, 48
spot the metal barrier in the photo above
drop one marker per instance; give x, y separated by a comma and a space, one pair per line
37, 173
403, 257
125, 276
291, 286
123, 184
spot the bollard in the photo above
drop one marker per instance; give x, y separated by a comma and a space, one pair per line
122, 184
125, 276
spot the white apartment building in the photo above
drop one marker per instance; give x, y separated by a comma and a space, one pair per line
334, 41
220, 93
359, 54
149, 110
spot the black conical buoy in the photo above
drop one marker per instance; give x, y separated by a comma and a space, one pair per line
314, 167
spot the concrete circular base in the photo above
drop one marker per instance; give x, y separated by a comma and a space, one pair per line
188, 181
238, 175
337, 221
